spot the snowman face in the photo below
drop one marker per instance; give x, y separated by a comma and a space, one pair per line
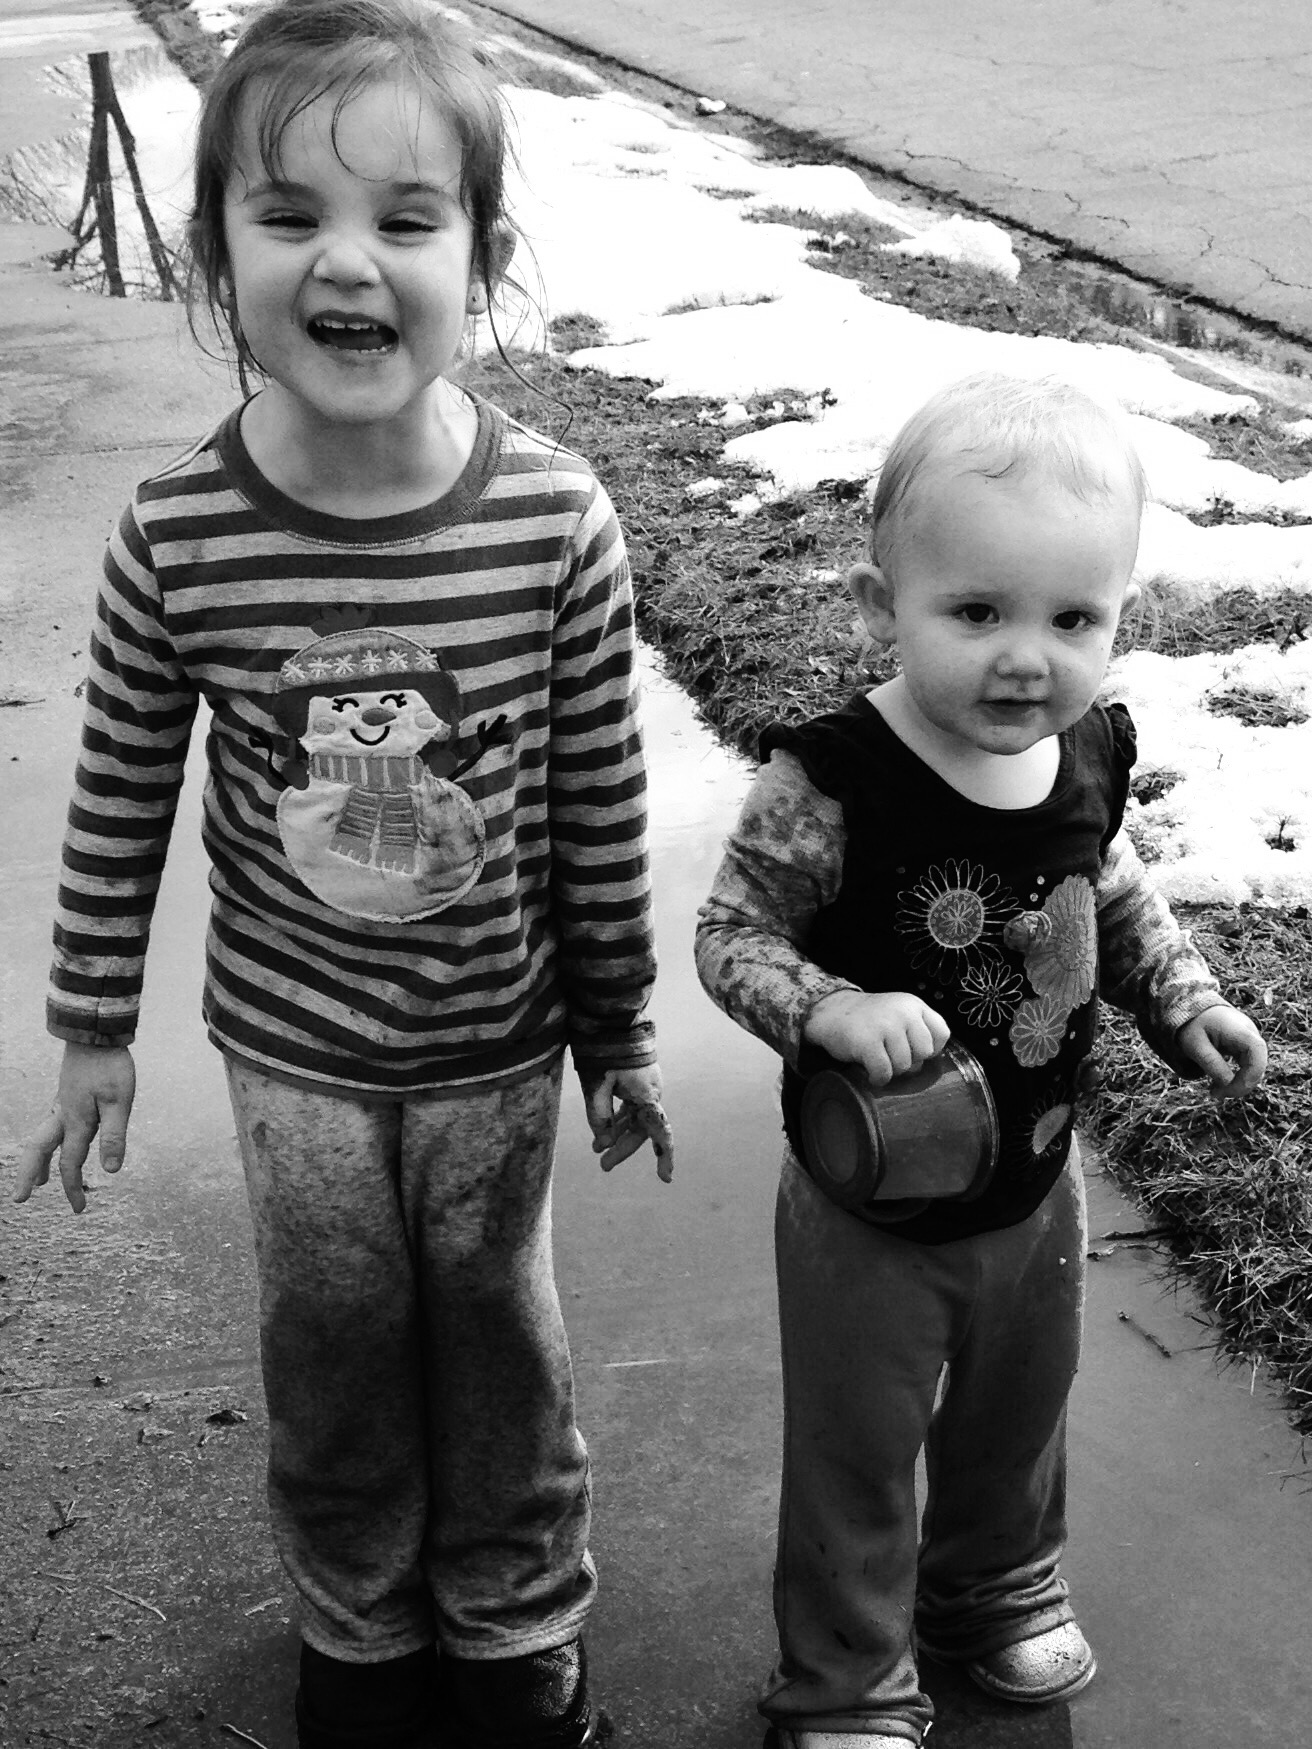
364, 724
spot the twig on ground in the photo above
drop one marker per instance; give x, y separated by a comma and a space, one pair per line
242, 1736
1147, 1335
129, 1598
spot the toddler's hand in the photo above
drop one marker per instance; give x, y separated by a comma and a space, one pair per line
640, 1117
888, 1033
1217, 1034
96, 1089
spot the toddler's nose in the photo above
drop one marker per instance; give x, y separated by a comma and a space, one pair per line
1021, 656
377, 715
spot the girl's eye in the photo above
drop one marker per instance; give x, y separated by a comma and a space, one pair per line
409, 225
344, 704
1072, 620
977, 613
286, 221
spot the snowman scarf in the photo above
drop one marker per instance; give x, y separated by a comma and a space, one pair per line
378, 826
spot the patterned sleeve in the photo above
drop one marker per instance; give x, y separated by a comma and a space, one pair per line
783, 861
1148, 964
601, 888
137, 719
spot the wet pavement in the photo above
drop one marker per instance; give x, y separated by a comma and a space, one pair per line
1171, 140
139, 1601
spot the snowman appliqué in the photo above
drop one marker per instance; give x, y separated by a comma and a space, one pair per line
371, 819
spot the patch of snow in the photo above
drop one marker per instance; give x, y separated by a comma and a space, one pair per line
1243, 790
972, 242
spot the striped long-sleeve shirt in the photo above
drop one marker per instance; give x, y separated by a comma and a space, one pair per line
464, 889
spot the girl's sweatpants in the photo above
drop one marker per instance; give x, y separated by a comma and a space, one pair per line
426, 1479
870, 1324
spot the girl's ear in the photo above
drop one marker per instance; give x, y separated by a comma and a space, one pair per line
873, 594
500, 248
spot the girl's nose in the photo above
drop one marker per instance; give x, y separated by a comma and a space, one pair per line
344, 261
377, 715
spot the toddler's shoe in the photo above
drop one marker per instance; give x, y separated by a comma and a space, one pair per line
539, 1701
1050, 1666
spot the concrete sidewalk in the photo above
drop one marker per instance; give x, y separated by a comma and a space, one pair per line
1174, 140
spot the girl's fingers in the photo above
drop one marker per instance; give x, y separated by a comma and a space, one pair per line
638, 1122
656, 1126
72, 1158
36, 1155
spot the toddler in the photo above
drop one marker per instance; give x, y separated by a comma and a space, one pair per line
411, 619
944, 857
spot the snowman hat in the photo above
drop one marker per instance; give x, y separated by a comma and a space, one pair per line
367, 658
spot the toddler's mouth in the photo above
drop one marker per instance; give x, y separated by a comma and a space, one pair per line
351, 334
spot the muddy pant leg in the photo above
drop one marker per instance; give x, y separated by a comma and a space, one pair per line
995, 1519
348, 1487
866, 1321
506, 1551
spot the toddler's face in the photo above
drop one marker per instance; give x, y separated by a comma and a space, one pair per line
1006, 600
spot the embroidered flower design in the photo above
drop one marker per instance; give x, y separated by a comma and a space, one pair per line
1037, 1030
1062, 960
990, 992
951, 915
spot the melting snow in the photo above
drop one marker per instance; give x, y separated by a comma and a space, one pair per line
647, 226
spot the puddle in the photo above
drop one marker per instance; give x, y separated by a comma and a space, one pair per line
118, 184
1229, 347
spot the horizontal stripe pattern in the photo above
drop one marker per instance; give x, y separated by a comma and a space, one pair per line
519, 581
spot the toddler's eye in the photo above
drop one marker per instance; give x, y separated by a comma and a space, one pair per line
977, 613
1072, 620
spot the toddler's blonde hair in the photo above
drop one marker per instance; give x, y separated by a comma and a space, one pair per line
996, 425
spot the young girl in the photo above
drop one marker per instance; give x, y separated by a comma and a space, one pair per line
412, 622
944, 857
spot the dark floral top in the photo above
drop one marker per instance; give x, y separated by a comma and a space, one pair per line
855, 866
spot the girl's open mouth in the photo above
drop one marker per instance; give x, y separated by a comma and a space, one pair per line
347, 334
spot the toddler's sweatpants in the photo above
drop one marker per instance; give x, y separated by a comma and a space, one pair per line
426, 1478
870, 1323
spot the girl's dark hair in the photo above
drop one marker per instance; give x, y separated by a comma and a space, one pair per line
297, 51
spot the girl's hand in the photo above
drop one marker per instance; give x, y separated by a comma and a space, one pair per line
888, 1033
96, 1088
1220, 1033
640, 1117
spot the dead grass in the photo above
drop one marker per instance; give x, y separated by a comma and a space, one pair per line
1231, 1184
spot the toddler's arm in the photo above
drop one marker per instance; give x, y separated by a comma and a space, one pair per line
1150, 967
1220, 1037
888, 1033
783, 862
96, 1088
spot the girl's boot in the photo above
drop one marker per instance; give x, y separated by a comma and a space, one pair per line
540, 1701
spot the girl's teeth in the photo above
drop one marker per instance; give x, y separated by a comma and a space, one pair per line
351, 336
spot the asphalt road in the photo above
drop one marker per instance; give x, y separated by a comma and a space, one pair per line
1170, 137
